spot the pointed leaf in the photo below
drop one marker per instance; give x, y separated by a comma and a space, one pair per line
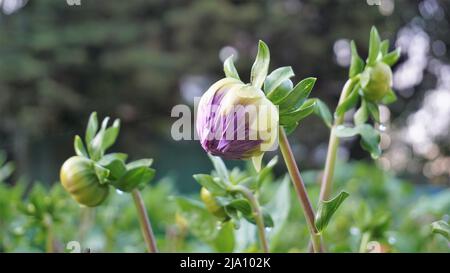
91, 128
110, 135
349, 102
389, 98
392, 57
374, 46
303, 111
384, 47
241, 205
373, 111
357, 64
298, 95
220, 167
281, 92
79, 147
362, 114
321, 110
133, 178
277, 77
260, 66
211, 184
229, 68
145, 162
327, 209
116, 168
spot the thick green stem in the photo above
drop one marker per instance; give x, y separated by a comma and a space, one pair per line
146, 227
364, 241
257, 214
49, 243
333, 144
300, 189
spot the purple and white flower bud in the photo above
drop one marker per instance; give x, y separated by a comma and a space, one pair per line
236, 121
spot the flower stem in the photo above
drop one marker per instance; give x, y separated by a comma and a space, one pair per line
146, 227
49, 243
300, 189
364, 241
257, 214
333, 144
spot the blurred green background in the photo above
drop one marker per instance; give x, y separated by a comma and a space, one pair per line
135, 60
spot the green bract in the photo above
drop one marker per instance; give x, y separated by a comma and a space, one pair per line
79, 178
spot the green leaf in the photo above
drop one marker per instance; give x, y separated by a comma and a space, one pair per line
91, 128
229, 68
267, 219
134, 178
349, 102
96, 144
362, 114
281, 92
389, 98
392, 57
357, 64
241, 205
225, 241
200, 222
116, 168
384, 47
212, 184
79, 147
373, 111
290, 128
277, 77
145, 162
370, 138
327, 209
102, 173
260, 66
106, 159
303, 111
298, 95
220, 167
321, 110
441, 227
374, 46
110, 135
279, 207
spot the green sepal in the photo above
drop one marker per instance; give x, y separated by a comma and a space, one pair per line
276, 78
229, 68
260, 66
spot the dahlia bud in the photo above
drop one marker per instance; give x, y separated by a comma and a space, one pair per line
376, 81
211, 204
79, 178
236, 121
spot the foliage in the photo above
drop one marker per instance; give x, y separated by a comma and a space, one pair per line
394, 213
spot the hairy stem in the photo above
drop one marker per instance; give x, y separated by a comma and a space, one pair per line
257, 214
146, 227
300, 189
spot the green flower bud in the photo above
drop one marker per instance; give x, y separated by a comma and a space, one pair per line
79, 178
211, 204
376, 81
